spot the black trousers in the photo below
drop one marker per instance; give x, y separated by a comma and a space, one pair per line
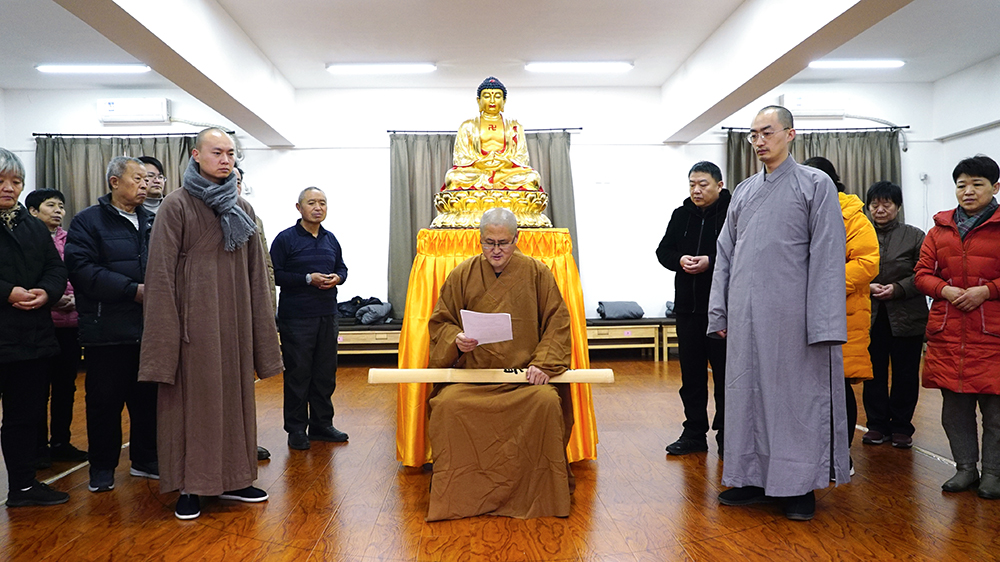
309, 350
696, 351
112, 383
852, 410
892, 411
62, 384
22, 388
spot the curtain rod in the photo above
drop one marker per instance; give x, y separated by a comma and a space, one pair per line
887, 127
102, 135
566, 129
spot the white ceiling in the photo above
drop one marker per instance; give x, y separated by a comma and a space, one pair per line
283, 46
472, 39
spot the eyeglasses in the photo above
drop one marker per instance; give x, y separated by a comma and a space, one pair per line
160, 177
753, 136
502, 244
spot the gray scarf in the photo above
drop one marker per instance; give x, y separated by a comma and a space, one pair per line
237, 227
966, 223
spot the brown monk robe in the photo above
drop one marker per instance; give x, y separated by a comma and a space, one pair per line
500, 449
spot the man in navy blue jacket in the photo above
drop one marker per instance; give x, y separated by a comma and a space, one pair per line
308, 266
688, 249
106, 252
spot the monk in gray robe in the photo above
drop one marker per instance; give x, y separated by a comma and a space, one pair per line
778, 299
500, 449
209, 326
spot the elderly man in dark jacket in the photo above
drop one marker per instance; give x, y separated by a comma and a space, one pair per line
688, 249
32, 277
106, 252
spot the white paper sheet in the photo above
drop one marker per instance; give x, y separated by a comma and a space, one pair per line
487, 328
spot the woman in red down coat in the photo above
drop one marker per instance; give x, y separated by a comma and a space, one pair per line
959, 268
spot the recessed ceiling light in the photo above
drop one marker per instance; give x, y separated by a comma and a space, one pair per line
606, 67
389, 68
857, 64
93, 68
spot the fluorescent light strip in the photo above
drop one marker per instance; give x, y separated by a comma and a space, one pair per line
855, 64
93, 68
608, 67
390, 68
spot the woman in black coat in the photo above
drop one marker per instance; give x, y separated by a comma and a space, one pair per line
31, 277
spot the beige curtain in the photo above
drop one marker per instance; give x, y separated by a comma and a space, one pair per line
860, 157
76, 165
417, 165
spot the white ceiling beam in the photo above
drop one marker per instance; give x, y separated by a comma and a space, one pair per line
759, 47
196, 45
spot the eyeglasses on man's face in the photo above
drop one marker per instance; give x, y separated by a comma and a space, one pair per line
500, 244
753, 136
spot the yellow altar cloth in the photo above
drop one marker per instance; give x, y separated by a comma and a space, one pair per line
438, 252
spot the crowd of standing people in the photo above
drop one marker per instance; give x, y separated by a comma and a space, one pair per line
172, 302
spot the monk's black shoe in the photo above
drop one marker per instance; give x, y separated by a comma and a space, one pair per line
297, 440
743, 496
262, 453
686, 445
331, 434
801, 508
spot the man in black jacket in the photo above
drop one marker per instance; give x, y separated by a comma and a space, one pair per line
688, 249
106, 253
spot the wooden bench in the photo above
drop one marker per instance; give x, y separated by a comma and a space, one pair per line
360, 339
637, 333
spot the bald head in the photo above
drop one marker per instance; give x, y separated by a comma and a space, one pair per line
215, 153
784, 116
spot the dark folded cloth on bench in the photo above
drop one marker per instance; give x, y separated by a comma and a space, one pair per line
618, 310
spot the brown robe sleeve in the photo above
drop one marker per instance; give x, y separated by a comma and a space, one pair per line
161, 338
554, 349
445, 322
266, 350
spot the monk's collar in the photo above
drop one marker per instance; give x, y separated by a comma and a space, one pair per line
782, 169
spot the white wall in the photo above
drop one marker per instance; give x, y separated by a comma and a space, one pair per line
627, 182
963, 101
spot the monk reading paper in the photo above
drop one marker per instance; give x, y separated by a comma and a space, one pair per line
500, 449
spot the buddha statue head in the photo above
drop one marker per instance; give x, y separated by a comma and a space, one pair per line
491, 95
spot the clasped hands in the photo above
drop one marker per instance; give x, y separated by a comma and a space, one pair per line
694, 265
324, 281
881, 292
533, 374
27, 299
966, 300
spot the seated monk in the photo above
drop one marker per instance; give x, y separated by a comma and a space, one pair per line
490, 152
500, 449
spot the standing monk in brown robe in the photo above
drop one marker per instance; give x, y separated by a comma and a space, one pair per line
500, 449
209, 326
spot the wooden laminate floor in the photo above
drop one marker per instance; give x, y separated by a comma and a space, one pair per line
354, 502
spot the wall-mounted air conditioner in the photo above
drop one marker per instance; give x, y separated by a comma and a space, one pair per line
134, 110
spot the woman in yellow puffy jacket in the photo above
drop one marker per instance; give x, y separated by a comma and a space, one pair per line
861, 267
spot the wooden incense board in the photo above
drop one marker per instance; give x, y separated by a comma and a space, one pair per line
385, 376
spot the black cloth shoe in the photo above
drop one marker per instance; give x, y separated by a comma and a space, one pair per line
66, 452
101, 480
989, 486
686, 445
248, 494
331, 434
149, 470
743, 496
37, 494
188, 507
298, 440
801, 508
263, 454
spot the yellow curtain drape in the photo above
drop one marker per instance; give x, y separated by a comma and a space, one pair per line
438, 252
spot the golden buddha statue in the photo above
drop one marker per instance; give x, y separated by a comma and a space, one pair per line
490, 169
